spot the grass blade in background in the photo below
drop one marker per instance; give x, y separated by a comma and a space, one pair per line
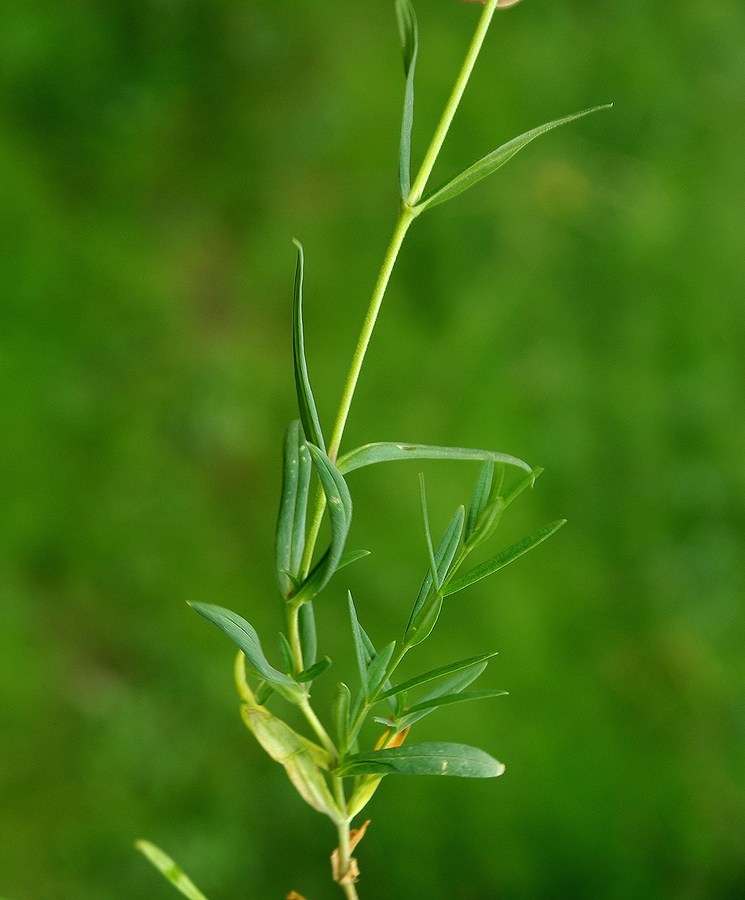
183, 884
495, 160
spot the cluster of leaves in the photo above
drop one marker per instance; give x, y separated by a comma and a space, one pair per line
304, 456
337, 776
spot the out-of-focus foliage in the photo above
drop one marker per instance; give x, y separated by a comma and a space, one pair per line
583, 310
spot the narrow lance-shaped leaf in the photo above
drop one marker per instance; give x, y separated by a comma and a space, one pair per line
388, 451
310, 587
459, 697
378, 666
246, 639
285, 653
290, 539
305, 401
439, 672
342, 704
405, 717
494, 160
359, 647
308, 638
407, 27
339, 505
312, 672
427, 606
480, 498
502, 559
424, 759
183, 884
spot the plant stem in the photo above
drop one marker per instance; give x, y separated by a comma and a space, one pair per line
323, 735
293, 629
405, 218
372, 699
344, 855
430, 157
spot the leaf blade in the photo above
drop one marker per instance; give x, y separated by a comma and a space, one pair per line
502, 559
439, 672
458, 697
305, 400
435, 758
360, 651
495, 160
244, 636
392, 451
301, 758
170, 870
409, 34
290, 532
339, 505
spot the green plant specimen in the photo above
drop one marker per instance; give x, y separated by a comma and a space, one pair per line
330, 767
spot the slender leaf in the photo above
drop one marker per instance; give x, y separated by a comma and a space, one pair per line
312, 672
314, 582
423, 759
369, 454
245, 637
502, 559
290, 540
285, 653
307, 626
439, 672
421, 626
183, 884
480, 498
306, 403
342, 703
428, 604
339, 504
494, 160
520, 485
407, 27
263, 692
453, 685
360, 651
378, 666
458, 697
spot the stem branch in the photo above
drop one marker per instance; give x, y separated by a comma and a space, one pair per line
430, 157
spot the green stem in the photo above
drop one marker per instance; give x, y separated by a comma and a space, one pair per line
293, 629
430, 157
371, 700
321, 733
405, 218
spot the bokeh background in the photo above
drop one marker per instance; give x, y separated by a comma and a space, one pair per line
581, 309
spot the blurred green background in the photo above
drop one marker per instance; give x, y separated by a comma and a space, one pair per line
581, 309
